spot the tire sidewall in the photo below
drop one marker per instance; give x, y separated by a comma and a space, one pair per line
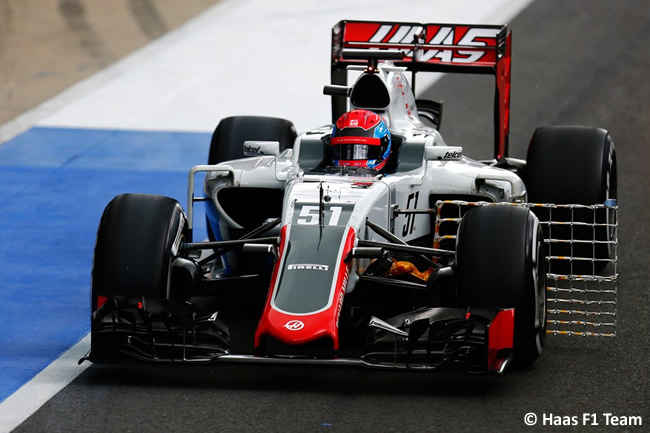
138, 237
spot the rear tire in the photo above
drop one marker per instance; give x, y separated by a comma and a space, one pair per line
228, 143
574, 165
228, 139
500, 263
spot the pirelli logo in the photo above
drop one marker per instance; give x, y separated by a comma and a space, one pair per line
307, 267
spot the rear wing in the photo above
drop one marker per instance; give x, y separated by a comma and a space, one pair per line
454, 48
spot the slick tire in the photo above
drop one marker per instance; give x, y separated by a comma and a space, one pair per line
138, 237
228, 143
229, 136
500, 263
574, 165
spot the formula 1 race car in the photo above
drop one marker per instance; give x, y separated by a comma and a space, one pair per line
369, 241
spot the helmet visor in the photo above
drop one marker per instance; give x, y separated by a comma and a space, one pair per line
356, 148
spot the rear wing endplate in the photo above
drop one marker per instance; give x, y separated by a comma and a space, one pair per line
454, 48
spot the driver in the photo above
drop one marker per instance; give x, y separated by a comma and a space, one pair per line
360, 138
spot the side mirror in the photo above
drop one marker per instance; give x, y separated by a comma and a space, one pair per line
261, 148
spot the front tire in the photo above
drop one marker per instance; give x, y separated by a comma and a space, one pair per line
500, 263
141, 285
138, 237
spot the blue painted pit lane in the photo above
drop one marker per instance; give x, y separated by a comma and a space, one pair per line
55, 185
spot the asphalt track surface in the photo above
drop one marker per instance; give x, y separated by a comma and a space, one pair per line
578, 62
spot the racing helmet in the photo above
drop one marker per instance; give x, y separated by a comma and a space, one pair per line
360, 138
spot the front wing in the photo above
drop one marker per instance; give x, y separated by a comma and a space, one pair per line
480, 340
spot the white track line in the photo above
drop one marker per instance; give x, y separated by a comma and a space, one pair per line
35, 393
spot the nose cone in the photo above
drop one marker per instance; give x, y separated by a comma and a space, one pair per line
307, 292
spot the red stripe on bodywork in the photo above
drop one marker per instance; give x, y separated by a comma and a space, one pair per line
360, 31
277, 324
391, 33
500, 337
503, 100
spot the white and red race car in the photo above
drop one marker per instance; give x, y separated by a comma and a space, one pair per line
422, 261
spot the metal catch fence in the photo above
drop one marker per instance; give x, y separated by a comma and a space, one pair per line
581, 261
